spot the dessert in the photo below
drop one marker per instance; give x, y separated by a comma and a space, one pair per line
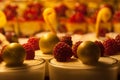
48, 40
31, 19
46, 44
10, 11
76, 70
60, 67
76, 23
14, 65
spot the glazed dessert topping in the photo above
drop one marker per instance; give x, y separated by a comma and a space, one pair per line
88, 52
13, 54
47, 42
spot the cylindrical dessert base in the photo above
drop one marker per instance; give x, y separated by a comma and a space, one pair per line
31, 70
106, 69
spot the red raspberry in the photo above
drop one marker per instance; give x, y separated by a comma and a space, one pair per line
34, 41
29, 51
74, 48
100, 45
1, 52
67, 39
62, 52
110, 46
117, 39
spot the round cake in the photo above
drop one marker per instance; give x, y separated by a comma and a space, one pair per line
105, 69
30, 70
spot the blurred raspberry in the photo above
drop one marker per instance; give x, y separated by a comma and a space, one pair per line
62, 52
29, 51
74, 48
67, 39
100, 45
117, 39
34, 41
111, 47
1, 52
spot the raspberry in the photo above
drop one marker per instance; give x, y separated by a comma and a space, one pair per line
62, 52
29, 51
67, 39
117, 39
34, 41
74, 48
100, 45
110, 46
1, 52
